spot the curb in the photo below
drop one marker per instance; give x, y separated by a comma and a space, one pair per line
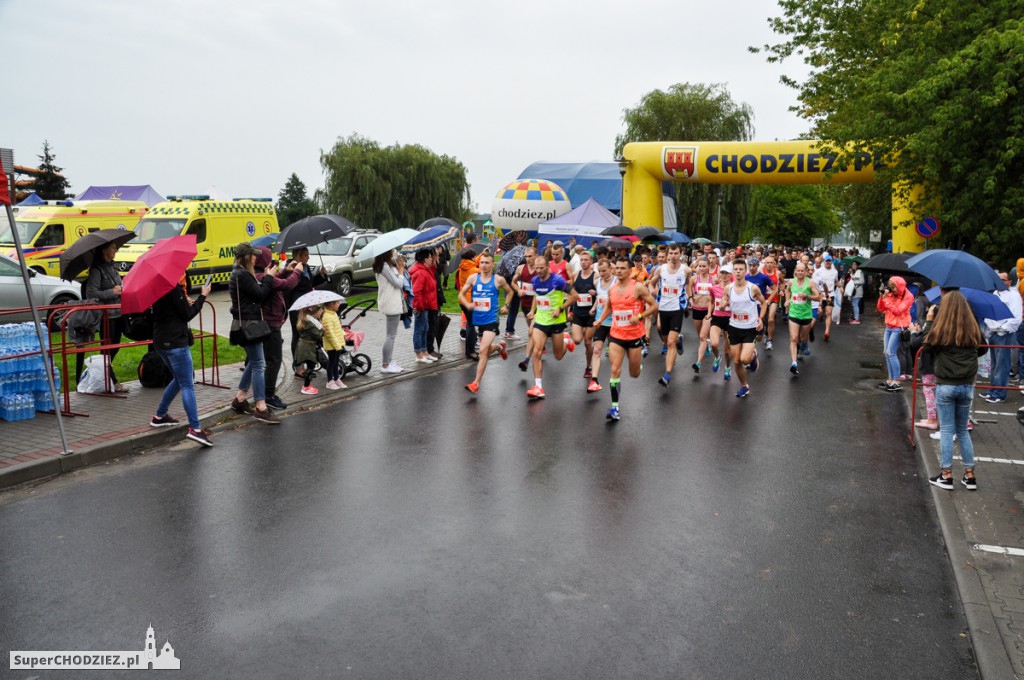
990, 653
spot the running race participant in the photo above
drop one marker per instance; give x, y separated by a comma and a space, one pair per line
800, 292
717, 323
699, 293
772, 271
626, 307
760, 280
746, 303
522, 283
583, 310
480, 293
602, 284
548, 315
826, 278
672, 277
557, 263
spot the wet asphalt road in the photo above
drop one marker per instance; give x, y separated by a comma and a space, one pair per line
419, 532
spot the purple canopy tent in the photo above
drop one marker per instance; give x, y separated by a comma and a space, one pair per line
141, 192
584, 223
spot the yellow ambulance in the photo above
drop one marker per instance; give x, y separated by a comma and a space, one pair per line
219, 226
48, 230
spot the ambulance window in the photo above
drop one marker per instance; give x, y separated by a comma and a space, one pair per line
52, 235
198, 227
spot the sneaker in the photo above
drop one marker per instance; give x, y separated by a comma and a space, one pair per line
993, 400
753, 363
266, 416
424, 360
938, 435
855, 322
241, 407
826, 336
715, 364
503, 347
941, 482
927, 424
971, 483
807, 351
332, 385
614, 413
535, 392
437, 355
165, 421
768, 345
512, 336
728, 374
391, 368
523, 365
707, 351
679, 345
588, 373
473, 387
663, 380
275, 402
794, 369
664, 350
894, 387
594, 386
743, 391
430, 358
309, 389
645, 351
198, 436
569, 344
883, 384
695, 366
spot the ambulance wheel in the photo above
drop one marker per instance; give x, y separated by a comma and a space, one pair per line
38, 270
361, 364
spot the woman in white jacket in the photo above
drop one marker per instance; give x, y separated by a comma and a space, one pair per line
389, 302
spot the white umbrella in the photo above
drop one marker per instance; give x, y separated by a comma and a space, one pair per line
314, 297
385, 242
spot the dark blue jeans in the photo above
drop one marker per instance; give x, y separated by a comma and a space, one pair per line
1000, 362
179, 360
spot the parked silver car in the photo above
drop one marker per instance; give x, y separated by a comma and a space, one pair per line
339, 258
46, 290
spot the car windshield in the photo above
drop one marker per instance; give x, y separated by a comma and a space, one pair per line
338, 246
153, 230
26, 232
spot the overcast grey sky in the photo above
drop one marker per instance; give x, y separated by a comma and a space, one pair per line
188, 95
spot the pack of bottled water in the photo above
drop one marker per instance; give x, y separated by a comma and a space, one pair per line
23, 378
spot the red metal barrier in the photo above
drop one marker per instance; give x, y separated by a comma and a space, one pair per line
915, 383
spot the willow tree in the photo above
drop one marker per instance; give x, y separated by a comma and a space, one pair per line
392, 186
695, 112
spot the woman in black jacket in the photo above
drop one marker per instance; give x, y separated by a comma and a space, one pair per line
171, 340
247, 295
104, 285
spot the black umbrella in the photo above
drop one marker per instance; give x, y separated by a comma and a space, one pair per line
438, 222
889, 263
617, 244
512, 239
471, 251
660, 237
77, 258
618, 230
312, 231
644, 232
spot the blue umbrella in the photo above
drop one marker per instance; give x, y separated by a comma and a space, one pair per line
984, 305
955, 269
679, 238
431, 238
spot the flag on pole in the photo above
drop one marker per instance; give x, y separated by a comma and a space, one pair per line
5, 194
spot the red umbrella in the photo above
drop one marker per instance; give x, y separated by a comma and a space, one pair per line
157, 272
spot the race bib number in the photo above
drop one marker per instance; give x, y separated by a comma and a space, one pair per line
526, 289
799, 297
703, 288
622, 318
482, 305
671, 290
602, 301
585, 300
720, 303
544, 304
742, 318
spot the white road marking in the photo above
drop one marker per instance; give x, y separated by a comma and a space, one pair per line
983, 459
1016, 552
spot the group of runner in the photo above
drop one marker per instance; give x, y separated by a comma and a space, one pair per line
616, 305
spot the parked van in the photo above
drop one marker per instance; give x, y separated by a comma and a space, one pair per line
219, 226
48, 230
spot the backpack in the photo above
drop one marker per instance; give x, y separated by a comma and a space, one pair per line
138, 327
153, 371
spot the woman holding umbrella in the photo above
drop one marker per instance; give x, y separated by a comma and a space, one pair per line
247, 295
104, 284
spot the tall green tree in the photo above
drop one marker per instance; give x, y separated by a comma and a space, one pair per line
791, 214
695, 112
393, 186
293, 203
50, 184
932, 85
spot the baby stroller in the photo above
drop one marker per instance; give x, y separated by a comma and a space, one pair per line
360, 364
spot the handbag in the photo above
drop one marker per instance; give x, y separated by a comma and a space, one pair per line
247, 331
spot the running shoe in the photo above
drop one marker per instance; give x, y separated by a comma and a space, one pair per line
941, 482
664, 350
768, 345
855, 321
523, 365
614, 413
569, 344
266, 416
826, 336
163, 421
753, 363
715, 364
807, 351
894, 387
728, 374
794, 369
241, 407
309, 389
695, 366
503, 350
970, 482
594, 386
274, 402
663, 380
202, 438
743, 391
646, 350
535, 392
588, 373
993, 400
679, 345
512, 336
473, 387
707, 351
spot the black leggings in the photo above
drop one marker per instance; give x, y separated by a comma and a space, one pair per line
333, 361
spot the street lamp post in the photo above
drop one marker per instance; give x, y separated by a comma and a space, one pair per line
718, 228
623, 166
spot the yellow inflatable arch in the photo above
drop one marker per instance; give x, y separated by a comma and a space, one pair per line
648, 164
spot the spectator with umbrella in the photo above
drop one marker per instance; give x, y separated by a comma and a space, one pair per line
247, 294
275, 312
308, 280
104, 285
1002, 333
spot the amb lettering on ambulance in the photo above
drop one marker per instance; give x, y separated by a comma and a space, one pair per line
48, 230
219, 226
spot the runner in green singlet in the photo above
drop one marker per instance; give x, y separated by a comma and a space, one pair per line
800, 291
